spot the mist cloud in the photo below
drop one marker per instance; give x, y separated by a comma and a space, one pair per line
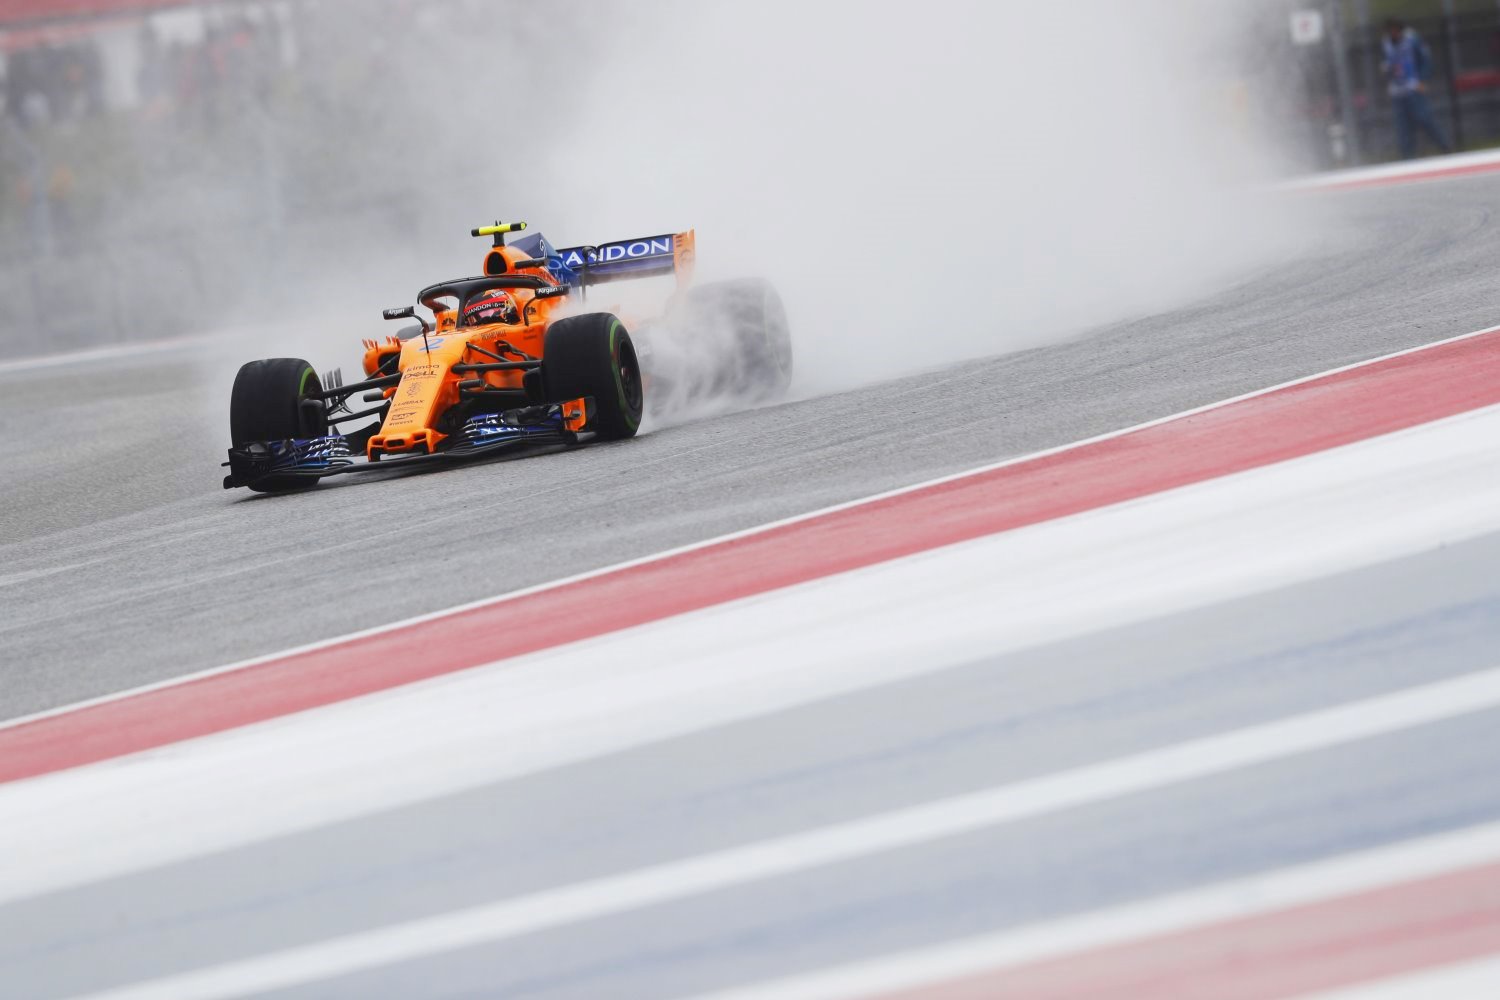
924, 183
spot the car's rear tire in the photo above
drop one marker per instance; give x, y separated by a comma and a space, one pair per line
267, 405
749, 313
593, 355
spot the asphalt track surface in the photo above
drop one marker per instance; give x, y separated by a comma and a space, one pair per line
118, 572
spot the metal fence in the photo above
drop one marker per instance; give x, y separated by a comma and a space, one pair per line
1339, 111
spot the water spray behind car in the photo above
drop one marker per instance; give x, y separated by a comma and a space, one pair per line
930, 185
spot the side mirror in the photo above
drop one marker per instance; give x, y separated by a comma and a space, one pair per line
550, 292
406, 312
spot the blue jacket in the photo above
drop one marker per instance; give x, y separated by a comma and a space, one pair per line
1406, 62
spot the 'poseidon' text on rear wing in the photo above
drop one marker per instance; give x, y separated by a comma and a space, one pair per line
644, 257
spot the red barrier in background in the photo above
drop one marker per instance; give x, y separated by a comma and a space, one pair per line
23, 12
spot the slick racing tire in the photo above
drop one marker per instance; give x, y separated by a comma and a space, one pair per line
267, 405
592, 355
750, 314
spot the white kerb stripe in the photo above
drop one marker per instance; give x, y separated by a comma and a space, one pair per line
831, 844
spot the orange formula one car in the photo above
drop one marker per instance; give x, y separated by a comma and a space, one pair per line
510, 360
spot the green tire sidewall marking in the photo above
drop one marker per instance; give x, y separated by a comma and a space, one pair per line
614, 357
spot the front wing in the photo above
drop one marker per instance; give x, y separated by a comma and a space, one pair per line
483, 435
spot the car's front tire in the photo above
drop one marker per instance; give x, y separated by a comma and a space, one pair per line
277, 400
593, 355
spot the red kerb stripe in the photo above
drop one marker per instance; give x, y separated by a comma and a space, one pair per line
1354, 939
1336, 409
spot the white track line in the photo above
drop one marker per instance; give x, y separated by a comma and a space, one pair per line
112, 352
731, 536
839, 842
1427, 168
1255, 895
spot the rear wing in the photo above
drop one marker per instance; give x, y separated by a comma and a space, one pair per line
645, 257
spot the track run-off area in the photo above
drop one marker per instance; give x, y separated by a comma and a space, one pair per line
1161, 662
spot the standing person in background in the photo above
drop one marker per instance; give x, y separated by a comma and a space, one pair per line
1407, 64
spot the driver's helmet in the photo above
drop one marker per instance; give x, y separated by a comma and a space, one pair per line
492, 306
